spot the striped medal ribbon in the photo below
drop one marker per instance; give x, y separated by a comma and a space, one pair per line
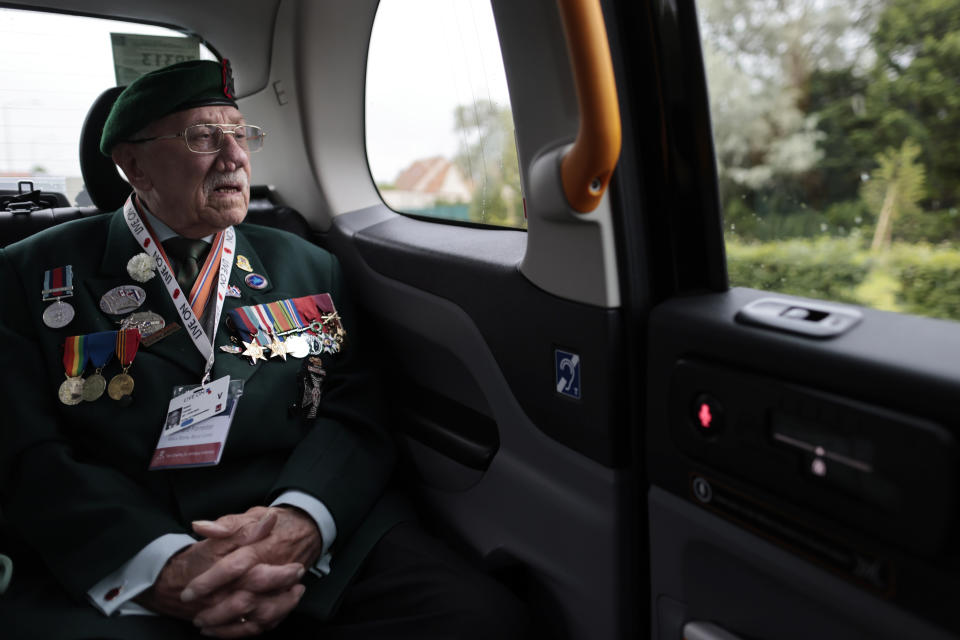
127, 344
74, 360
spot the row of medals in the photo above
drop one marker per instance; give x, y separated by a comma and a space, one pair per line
313, 340
115, 302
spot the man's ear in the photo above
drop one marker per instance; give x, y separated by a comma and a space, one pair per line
126, 157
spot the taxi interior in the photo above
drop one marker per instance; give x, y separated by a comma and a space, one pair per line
613, 515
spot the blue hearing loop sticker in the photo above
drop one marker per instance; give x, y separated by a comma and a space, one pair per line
568, 373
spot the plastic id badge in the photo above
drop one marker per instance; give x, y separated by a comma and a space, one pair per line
194, 404
200, 444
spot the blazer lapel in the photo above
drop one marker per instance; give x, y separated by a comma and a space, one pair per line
226, 363
176, 347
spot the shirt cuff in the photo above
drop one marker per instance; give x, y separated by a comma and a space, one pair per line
321, 515
113, 593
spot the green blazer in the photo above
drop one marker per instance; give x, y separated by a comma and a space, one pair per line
74, 479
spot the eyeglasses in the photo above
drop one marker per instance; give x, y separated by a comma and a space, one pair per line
210, 138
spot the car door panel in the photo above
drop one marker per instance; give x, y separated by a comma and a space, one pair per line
839, 452
450, 310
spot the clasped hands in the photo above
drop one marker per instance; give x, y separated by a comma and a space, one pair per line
243, 578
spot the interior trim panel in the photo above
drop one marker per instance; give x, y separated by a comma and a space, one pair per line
477, 269
559, 510
841, 455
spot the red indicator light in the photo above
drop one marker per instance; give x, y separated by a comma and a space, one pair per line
704, 415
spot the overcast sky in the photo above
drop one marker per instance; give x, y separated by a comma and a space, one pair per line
426, 57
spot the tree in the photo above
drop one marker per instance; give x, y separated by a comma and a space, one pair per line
782, 42
915, 87
761, 56
488, 158
759, 132
895, 188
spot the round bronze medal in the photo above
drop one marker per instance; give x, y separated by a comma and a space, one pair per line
120, 385
71, 391
58, 315
93, 387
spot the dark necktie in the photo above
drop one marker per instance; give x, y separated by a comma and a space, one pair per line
186, 255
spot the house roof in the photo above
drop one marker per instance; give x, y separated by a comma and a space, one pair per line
426, 176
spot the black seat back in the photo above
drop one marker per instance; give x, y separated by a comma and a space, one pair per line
107, 190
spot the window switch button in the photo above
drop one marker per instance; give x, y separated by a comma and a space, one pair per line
812, 319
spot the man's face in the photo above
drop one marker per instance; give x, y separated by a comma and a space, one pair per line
195, 194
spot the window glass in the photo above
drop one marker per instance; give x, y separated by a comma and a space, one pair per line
837, 131
439, 133
52, 68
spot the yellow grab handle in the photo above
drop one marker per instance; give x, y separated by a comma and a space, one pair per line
588, 165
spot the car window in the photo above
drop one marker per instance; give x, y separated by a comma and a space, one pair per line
439, 129
52, 68
835, 126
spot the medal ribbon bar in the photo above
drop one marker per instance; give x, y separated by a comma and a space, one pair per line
292, 315
128, 342
74, 356
58, 283
282, 320
250, 321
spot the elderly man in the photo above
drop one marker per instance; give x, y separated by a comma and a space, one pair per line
233, 477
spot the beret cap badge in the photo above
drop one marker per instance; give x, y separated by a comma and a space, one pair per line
228, 89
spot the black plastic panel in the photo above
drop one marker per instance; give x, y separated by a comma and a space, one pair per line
523, 325
446, 426
881, 395
855, 463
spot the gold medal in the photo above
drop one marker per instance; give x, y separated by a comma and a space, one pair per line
253, 350
93, 387
277, 349
120, 385
71, 391
243, 263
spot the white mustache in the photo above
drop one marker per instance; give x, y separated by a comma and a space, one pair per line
236, 178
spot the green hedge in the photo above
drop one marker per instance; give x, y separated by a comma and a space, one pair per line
829, 268
929, 278
914, 278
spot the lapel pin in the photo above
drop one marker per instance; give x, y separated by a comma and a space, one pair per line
121, 300
255, 281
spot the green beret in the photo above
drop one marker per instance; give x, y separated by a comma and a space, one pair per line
185, 85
